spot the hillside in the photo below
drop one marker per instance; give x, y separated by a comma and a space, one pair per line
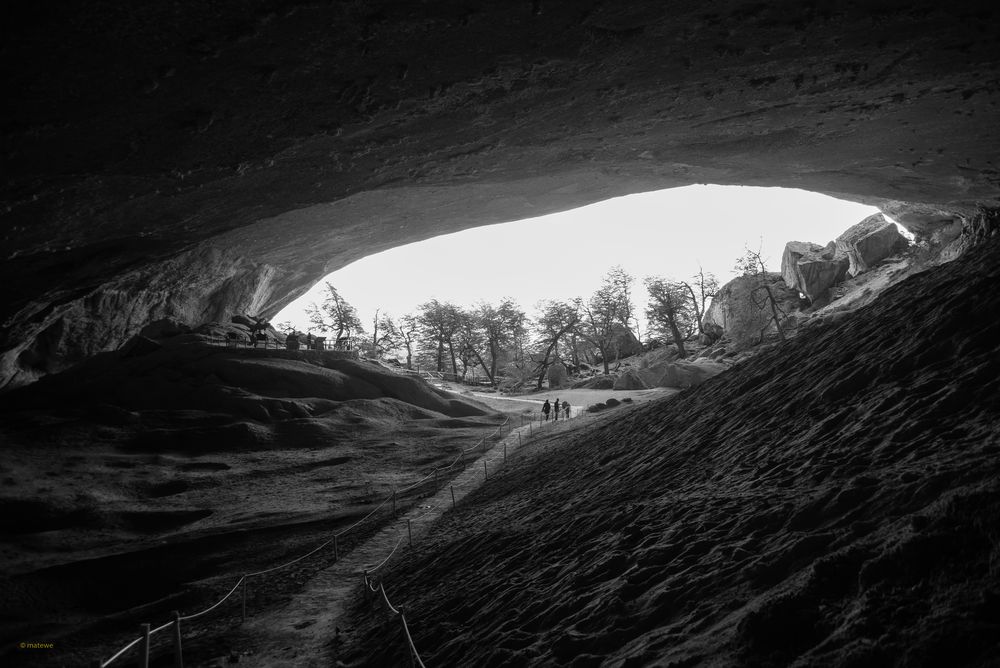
141, 480
832, 501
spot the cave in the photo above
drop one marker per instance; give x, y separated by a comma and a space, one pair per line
194, 160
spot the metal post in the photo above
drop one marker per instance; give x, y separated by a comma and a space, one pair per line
178, 653
364, 580
453, 497
244, 599
519, 439
505, 450
336, 549
144, 646
486, 474
409, 534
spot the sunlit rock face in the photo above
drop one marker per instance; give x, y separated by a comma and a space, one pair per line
193, 159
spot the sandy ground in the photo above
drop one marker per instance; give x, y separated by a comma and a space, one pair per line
579, 400
832, 502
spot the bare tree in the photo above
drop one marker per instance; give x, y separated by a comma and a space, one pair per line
752, 265
385, 335
669, 310
335, 314
704, 288
555, 321
606, 313
409, 329
498, 326
439, 323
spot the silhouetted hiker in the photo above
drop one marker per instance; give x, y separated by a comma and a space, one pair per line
546, 407
557, 410
309, 341
566, 408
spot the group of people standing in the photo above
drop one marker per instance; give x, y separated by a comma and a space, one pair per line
548, 408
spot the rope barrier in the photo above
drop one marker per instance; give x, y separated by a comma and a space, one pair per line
245, 578
384, 561
217, 603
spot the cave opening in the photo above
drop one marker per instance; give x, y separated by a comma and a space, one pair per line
670, 233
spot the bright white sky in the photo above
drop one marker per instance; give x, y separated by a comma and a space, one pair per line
564, 255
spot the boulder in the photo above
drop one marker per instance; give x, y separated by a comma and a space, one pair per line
557, 375
812, 269
739, 312
630, 380
869, 242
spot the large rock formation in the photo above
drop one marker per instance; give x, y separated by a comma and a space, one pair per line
869, 242
262, 144
741, 309
812, 269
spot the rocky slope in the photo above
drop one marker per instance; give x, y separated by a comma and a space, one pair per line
202, 159
143, 479
833, 501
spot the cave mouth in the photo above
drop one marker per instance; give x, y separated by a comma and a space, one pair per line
670, 233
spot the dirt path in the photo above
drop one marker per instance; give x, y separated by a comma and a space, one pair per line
300, 632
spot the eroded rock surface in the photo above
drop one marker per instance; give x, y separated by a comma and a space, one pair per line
741, 309
261, 144
812, 269
869, 242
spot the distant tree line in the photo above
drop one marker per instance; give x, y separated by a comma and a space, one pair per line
500, 343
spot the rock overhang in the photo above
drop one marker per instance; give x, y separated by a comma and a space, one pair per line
204, 158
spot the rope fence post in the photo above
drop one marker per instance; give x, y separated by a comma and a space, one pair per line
336, 549
409, 533
245, 585
486, 473
144, 646
394, 502
178, 652
453, 497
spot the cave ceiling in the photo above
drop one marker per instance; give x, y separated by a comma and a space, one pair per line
192, 159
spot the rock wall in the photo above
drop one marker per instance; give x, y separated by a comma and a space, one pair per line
198, 286
302, 136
